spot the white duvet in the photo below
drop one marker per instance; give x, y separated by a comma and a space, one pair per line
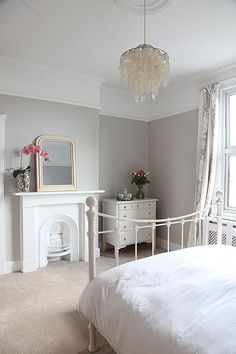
180, 302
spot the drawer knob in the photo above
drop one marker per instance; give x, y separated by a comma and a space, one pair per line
124, 207
149, 213
124, 238
125, 227
124, 216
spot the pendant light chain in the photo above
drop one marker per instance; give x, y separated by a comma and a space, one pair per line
145, 21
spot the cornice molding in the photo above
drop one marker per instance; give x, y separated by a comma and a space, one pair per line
226, 73
121, 104
49, 69
175, 100
18, 78
124, 116
23, 79
173, 113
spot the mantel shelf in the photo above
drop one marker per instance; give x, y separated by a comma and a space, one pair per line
28, 194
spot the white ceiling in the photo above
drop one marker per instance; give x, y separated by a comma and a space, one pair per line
88, 36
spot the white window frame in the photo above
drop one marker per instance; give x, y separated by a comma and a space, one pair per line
228, 150
225, 150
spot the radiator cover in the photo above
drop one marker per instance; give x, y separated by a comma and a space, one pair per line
228, 235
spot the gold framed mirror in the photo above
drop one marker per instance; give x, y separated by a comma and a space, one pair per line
58, 172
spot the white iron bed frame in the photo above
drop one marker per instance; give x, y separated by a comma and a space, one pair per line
199, 219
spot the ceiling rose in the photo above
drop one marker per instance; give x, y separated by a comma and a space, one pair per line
137, 7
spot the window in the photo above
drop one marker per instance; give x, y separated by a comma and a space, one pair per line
229, 149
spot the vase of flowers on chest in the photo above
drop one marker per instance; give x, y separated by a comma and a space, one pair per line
22, 174
140, 178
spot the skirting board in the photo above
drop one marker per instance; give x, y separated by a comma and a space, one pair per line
163, 244
12, 267
15, 266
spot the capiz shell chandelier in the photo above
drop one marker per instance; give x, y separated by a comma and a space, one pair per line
145, 68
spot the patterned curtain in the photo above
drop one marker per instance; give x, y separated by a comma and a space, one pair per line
208, 124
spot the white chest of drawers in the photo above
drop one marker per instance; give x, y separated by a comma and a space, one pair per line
135, 209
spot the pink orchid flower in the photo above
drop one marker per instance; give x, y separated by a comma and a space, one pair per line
26, 150
36, 149
31, 151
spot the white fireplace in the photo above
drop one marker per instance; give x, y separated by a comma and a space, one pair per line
53, 225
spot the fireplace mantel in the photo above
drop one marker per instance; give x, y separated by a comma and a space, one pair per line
27, 194
40, 198
37, 207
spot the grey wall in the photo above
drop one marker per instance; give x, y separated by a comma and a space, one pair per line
108, 149
28, 118
172, 162
123, 148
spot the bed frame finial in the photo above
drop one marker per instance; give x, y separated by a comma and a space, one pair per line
91, 215
91, 202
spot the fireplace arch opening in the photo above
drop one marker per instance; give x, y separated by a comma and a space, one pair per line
58, 239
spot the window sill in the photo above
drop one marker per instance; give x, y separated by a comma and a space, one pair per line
229, 216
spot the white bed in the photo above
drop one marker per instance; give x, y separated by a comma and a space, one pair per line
180, 302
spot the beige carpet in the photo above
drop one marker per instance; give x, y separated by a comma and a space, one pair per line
38, 310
